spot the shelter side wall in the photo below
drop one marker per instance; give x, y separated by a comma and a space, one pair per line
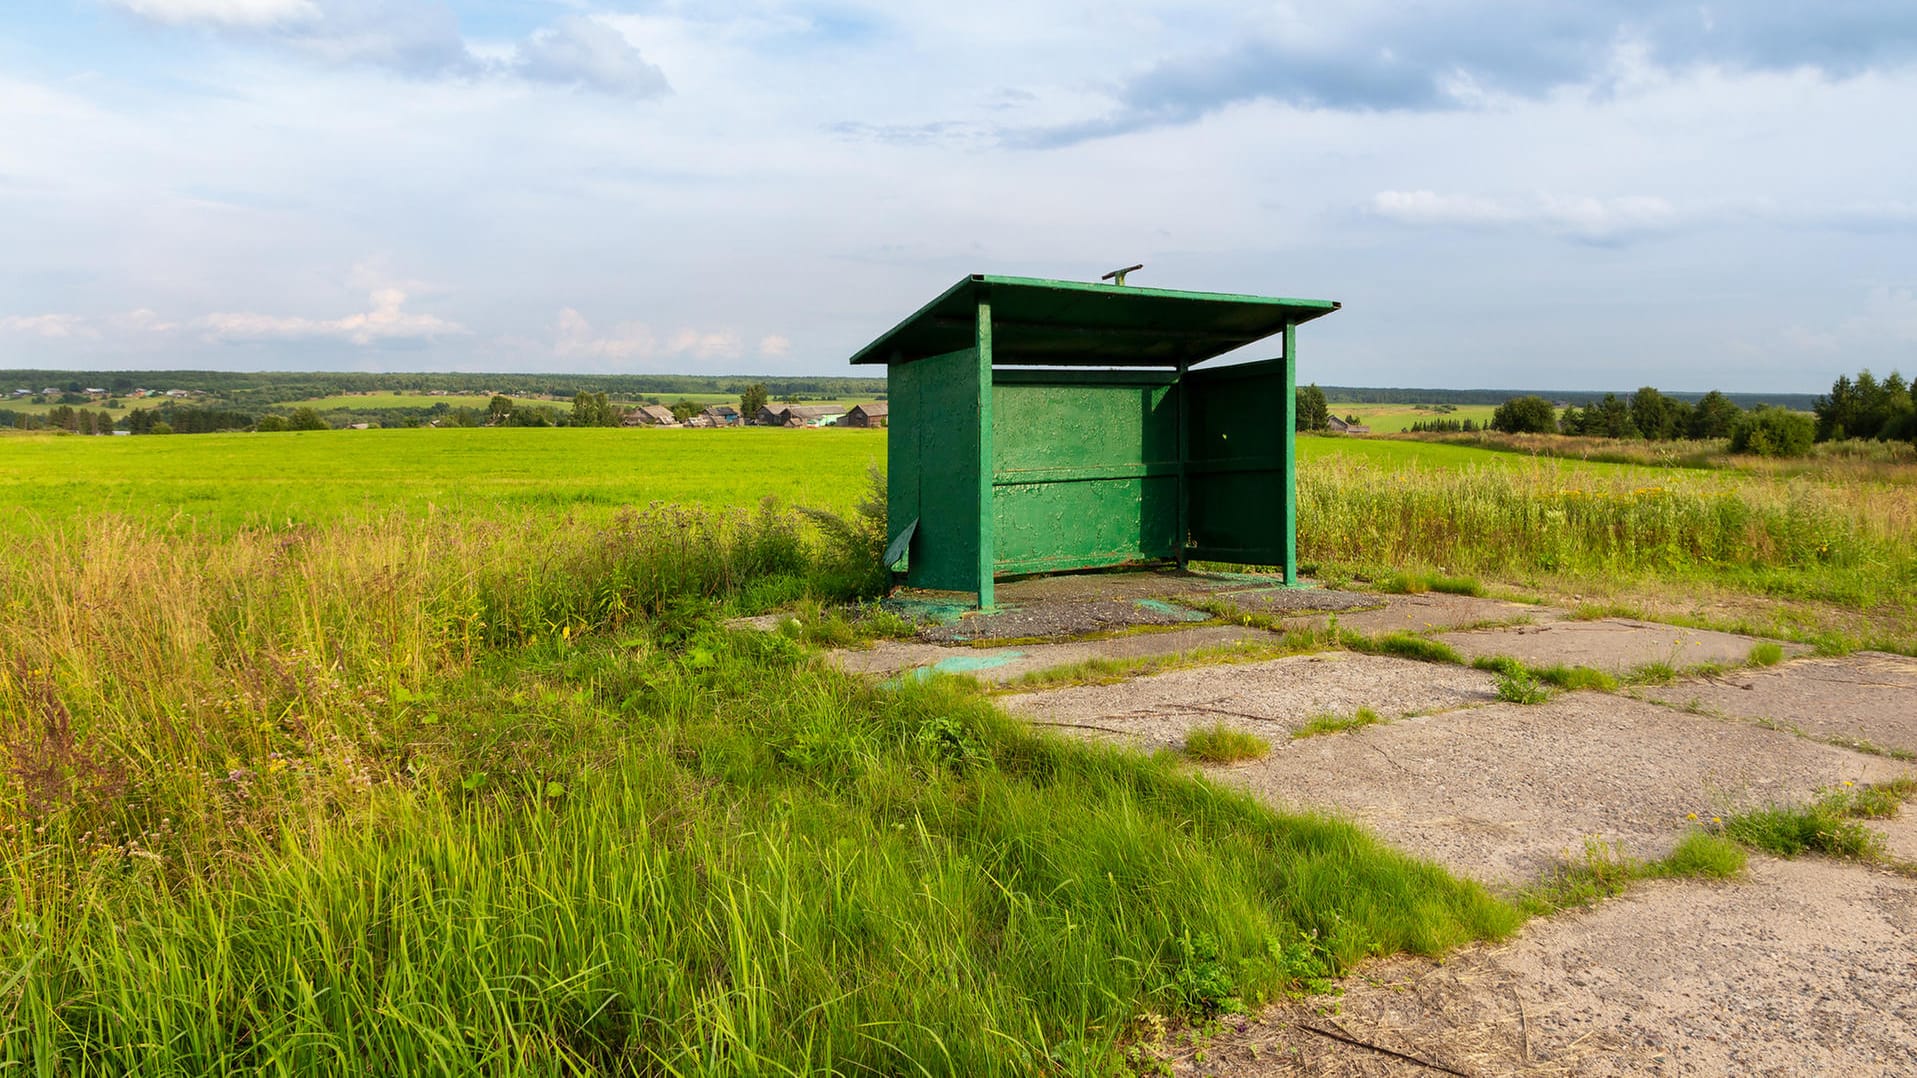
934, 442
1239, 464
1085, 469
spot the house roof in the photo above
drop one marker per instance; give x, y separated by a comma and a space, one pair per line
810, 411
721, 409
874, 408
1060, 323
657, 411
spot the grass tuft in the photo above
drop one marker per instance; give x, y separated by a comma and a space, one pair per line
1766, 654
1336, 724
1405, 646
1221, 744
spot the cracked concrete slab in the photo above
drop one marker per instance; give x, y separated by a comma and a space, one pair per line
1869, 696
1614, 645
1507, 791
1430, 612
1269, 698
997, 666
1805, 967
1900, 835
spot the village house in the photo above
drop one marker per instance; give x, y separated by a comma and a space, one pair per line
650, 415
1343, 427
865, 415
798, 415
723, 415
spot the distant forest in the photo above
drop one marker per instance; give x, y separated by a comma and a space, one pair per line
259, 388
1581, 398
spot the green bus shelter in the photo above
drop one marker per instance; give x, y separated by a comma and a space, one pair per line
1043, 426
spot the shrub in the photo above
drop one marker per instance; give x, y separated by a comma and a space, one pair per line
1773, 432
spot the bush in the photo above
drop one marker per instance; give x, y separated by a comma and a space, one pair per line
1773, 432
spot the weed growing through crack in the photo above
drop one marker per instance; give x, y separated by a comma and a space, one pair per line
1520, 687
1829, 825
1404, 645
1220, 744
1766, 654
1605, 871
1336, 724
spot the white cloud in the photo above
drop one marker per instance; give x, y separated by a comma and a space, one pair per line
1583, 217
385, 322
55, 326
584, 52
574, 338
773, 346
247, 14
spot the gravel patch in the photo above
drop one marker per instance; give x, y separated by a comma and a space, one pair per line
996, 666
1269, 698
1869, 696
1804, 968
1282, 600
1614, 645
1120, 584
1061, 620
1507, 791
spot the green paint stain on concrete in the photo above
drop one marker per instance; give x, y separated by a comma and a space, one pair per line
1160, 606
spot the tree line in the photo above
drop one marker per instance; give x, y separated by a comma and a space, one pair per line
1860, 408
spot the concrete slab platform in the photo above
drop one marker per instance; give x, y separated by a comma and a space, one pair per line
1269, 698
1869, 695
1506, 791
997, 666
1430, 612
1614, 645
1803, 968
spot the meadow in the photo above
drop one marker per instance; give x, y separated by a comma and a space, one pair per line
381, 751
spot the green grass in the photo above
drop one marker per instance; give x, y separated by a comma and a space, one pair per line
226, 481
1221, 744
1337, 724
1403, 645
496, 794
1766, 654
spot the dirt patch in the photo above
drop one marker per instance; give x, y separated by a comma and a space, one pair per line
1614, 645
996, 666
1803, 968
1430, 612
1869, 696
1505, 792
1268, 698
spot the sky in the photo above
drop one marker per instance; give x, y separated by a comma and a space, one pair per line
1502, 193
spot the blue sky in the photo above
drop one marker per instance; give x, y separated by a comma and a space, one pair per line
1502, 193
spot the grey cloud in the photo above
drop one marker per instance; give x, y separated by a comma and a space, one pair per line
578, 51
1413, 59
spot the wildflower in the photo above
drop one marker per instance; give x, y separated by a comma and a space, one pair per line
1691, 816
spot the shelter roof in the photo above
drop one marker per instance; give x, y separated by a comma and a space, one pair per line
1063, 323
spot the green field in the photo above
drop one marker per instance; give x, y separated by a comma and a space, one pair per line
227, 480
389, 401
1394, 418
